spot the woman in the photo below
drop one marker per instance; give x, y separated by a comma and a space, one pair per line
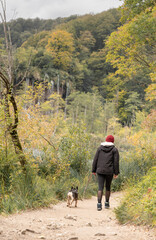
105, 165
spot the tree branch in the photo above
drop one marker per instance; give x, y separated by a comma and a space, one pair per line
141, 59
5, 80
12, 100
51, 144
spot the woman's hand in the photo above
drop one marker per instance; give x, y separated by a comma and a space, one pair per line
115, 176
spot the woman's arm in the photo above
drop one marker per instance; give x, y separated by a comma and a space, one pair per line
116, 162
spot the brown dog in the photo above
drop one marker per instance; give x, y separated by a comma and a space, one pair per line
72, 196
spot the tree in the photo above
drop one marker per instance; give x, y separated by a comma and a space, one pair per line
38, 40
8, 98
61, 47
89, 109
151, 91
99, 71
104, 24
132, 104
133, 43
131, 8
131, 50
86, 43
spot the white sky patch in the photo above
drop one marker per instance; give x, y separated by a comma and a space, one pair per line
52, 9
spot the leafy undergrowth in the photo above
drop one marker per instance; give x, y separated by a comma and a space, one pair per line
139, 205
32, 191
27, 194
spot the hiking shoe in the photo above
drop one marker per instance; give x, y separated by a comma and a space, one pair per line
107, 205
99, 206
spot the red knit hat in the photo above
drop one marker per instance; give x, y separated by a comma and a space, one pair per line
110, 138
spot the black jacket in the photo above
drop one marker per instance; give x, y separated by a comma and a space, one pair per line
106, 160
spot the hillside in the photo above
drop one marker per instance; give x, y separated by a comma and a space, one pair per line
22, 29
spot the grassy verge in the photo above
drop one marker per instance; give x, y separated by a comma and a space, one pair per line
26, 192
139, 205
32, 191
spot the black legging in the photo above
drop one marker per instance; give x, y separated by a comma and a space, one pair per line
102, 178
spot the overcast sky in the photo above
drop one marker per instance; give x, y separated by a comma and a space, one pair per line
53, 9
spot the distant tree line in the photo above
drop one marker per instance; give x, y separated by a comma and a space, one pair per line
91, 53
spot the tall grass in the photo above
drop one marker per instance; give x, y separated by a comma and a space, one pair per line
25, 191
139, 205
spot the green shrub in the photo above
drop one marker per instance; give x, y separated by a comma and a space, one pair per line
139, 205
74, 151
26, 191
133, 165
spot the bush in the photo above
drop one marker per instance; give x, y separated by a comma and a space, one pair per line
134, 163
74, 151
139, 205
26, 191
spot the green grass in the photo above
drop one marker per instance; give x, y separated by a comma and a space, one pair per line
33, 191
139, 205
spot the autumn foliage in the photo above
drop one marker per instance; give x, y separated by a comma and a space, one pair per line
70, 87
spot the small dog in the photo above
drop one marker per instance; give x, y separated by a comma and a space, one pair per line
72, 196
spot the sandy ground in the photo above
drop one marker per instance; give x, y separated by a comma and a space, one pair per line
62, 223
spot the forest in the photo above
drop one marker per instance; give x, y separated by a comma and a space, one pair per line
65, 84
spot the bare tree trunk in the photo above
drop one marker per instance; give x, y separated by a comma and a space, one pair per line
6, 78
7, 41
73, 118
58, 92
14, 134
66, 102
18, 147
93, 110
12, 124
77, 111
105, 119
58, 85
12, 127
6, 145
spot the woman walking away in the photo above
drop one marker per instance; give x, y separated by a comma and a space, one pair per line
105, 165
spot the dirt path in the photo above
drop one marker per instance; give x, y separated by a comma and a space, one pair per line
62, 223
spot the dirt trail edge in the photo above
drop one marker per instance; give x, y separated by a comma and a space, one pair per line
62, 223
